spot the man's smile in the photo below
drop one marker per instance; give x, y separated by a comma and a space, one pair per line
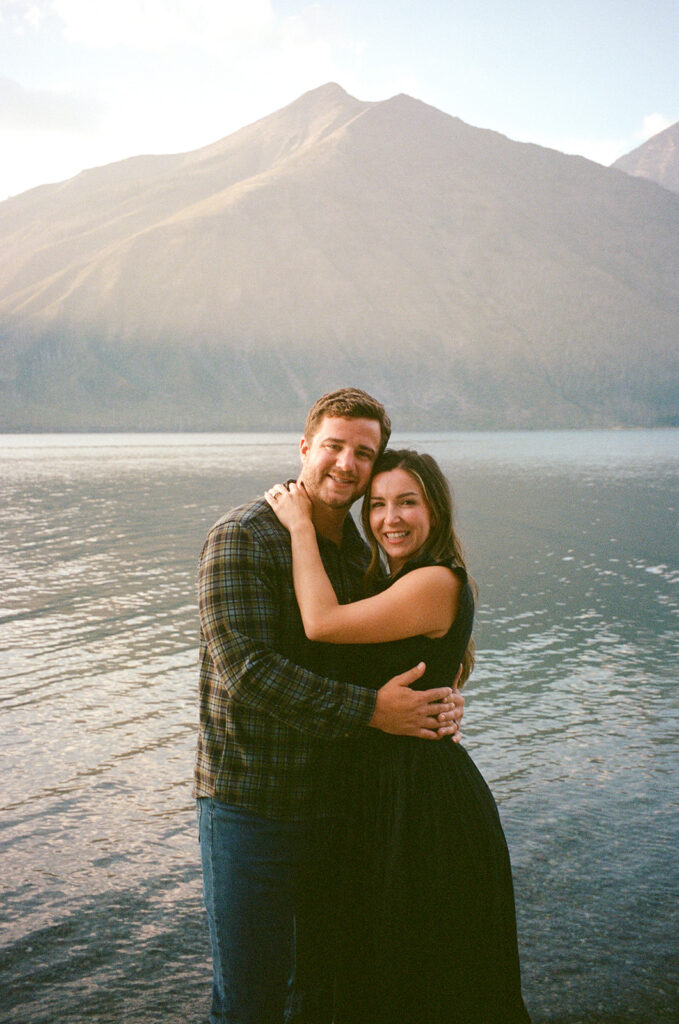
345, 481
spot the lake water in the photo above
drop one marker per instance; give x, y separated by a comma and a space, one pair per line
572, 713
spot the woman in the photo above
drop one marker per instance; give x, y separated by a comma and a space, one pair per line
427, 924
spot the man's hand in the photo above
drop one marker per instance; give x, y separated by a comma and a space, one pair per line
449, 721
405, 712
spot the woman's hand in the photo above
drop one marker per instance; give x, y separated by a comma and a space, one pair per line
290, 503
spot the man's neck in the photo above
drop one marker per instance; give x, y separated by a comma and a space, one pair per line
329, 522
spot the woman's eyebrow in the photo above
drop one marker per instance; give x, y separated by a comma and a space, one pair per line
404, 494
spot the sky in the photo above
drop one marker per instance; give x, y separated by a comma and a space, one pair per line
87, 82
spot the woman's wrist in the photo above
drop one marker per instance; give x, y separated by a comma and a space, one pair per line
302, 528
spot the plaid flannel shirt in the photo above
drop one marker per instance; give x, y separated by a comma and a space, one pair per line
268, 704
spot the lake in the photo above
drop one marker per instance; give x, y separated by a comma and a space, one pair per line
572, 713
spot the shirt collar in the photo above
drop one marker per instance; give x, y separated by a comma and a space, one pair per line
353, 545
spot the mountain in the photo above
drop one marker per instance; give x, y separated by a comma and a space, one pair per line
467, 280
657, 159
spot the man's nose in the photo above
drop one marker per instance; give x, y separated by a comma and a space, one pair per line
345, 460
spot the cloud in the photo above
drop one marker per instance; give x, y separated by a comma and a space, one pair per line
45, 110
163, 24
605, 150
17, 14
601, 151
160, 76
653, 123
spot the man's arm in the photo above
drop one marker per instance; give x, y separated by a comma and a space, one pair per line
238, 605
237, 598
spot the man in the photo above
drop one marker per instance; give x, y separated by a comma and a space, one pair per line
270, 702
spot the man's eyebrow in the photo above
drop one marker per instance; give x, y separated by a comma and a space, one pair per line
361, 447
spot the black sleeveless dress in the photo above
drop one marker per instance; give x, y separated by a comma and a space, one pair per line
427, 929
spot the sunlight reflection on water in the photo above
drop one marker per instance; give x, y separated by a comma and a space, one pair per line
572, 711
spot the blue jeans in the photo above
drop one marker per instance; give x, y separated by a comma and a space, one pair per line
270, 902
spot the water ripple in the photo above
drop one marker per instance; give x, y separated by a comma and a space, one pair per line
572, 712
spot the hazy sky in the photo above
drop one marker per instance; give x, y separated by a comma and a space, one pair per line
86, 82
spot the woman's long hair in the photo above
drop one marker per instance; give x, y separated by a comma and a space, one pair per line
442, 544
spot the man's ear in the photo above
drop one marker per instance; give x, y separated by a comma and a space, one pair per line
303, 447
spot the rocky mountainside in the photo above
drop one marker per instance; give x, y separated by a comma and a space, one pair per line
467, 280
657, 159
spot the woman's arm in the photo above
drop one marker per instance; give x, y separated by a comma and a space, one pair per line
424, 601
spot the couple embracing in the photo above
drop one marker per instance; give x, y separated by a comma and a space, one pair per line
354, 865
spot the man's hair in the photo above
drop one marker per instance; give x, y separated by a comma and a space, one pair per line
352, 404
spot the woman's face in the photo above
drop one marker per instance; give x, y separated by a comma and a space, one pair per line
400, 519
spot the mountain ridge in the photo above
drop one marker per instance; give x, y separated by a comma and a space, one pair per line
341, 241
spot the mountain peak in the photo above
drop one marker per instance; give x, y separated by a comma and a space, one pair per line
331, 90
656, 159
329, 95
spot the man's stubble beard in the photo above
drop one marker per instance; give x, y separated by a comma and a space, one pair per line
313, 487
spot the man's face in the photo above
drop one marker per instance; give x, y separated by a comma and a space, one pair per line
338, 459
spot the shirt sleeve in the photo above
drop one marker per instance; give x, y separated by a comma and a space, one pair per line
237, 599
